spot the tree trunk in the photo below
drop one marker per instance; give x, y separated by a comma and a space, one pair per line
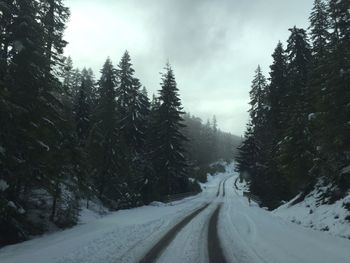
54, 204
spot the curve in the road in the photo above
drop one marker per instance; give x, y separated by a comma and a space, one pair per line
158, 248
218, 192
235, 184
214, 248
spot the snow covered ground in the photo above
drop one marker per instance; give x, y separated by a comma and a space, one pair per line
331, 218
247, 234
252, 234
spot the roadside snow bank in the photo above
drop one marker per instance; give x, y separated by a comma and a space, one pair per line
91, 212
332, 218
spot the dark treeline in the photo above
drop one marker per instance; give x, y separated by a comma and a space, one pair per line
208, 143
300, 117
66, 137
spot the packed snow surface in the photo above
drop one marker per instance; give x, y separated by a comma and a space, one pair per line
248, 234
331, 218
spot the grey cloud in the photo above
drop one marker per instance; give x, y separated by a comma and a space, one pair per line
213, 45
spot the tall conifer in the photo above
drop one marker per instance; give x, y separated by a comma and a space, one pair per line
169, 159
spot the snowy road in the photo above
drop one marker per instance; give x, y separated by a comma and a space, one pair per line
251, 234
198, 241
238, 232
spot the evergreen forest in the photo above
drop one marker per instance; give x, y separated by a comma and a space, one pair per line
298, 133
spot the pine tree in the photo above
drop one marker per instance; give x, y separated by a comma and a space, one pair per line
295, 151
104, 143
84, 105
133, 109
89, 77
25, 81
67, 76
152, 130
129, 100
146, 177
151, 181
260, 131
143, 120
83, 112
259, 101
320, 38
76, 83
247, 155
215, 124
215, 139
319, 28
54, 16
278, 100
277, 90
193, 131
144, 109
208, 143
169, 160
38, 126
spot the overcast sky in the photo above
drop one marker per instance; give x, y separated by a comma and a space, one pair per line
214, 46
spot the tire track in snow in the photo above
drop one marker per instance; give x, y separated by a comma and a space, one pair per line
159, 247
190, 244
252, 232
218, 192
221, 185
223, 188
164, 242
214, 248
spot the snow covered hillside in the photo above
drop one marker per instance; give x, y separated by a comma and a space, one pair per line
246, 234
311, 212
